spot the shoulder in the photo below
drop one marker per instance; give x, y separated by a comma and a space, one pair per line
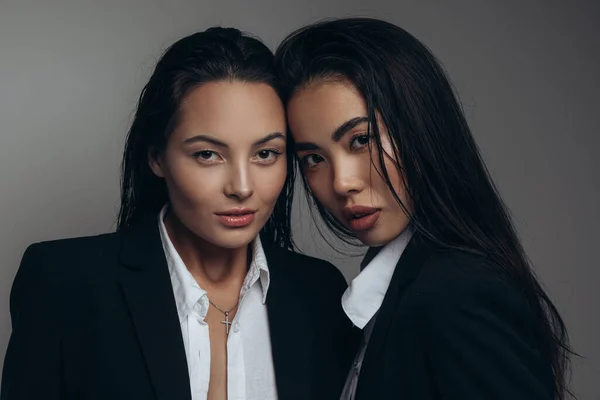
456, 282
464, 301
310, 264
448, 273
73, 250
49, 268
313, 272
55, 261
476, 325
75, 245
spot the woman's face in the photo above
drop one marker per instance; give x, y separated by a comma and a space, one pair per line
225, 163
330, 127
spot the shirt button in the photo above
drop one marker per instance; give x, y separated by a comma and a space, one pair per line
236, 327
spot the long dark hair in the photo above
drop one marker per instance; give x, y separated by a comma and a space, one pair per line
455, 203
213, 55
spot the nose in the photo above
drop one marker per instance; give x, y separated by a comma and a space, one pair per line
239, 185
347, 178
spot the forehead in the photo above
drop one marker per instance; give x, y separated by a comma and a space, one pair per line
323, 107
231, 111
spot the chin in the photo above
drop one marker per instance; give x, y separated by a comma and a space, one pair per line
235, 239
374, 238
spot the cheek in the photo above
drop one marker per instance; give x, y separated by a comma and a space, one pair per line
397, 184
386, 144
191, 184
269, 181
321, 185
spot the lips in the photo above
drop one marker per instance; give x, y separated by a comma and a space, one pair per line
361, 218
236, 218
236, 211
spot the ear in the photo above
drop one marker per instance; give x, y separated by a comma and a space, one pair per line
155, 163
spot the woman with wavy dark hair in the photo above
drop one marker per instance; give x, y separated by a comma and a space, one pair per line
446, 297
197, 295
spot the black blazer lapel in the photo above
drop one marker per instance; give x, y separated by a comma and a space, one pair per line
146, 285
291, 331
414, 256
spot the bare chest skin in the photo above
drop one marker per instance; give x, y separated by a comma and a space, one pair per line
217, 389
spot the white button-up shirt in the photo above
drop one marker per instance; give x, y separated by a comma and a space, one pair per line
250, 371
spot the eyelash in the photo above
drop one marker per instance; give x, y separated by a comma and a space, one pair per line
199, 153
359, 136
306, 158
275, 152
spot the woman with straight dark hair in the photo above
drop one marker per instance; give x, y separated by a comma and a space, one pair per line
197, 295
446, 298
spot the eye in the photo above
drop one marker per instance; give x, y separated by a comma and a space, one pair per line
360, 141
267, 156
207, 156
311, 160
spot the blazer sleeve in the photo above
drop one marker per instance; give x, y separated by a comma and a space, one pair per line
32, 361
480, 342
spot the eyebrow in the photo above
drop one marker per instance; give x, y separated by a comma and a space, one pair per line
269, 137
216, 142
347, 126
336, 136
204, 138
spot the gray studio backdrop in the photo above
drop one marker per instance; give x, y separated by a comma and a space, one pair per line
527, 73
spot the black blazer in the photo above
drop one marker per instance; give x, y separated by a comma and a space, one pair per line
95, 318
452, 326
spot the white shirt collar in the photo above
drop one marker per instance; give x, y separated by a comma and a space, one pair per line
259, 269
364, 295
185, 288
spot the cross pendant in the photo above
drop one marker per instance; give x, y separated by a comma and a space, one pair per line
226, 323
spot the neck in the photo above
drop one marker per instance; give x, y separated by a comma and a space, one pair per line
216, 269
